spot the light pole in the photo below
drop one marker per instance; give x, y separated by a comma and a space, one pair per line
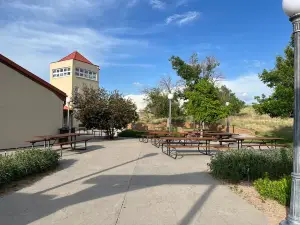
170, 97
227, 122
292, 9
68, 101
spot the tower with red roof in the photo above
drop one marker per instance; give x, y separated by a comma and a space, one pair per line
71, 72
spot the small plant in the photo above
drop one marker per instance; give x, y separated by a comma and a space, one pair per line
279, 190
249, 165
24, 163
131, 133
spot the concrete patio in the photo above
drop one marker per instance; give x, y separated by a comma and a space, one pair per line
130, 183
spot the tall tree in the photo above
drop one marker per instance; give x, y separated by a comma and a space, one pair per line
204, 103
158, 103
157, 98
194, 71
100, 109
235, 104
281, 79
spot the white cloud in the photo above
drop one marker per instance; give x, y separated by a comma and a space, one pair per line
185, 18
138, 84
246, 87
34, 45
181, 3
138, 100
157, 4
141, 65
32, 7
132, 3
254, 63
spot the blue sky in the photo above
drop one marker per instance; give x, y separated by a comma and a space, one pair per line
132, 40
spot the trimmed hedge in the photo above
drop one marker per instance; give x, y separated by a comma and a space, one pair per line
279, 190
131, 133
24, 163
239, 165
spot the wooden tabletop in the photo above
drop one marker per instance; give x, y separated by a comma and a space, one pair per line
50, 137
189, 138
165, 132
258, 138
219, 134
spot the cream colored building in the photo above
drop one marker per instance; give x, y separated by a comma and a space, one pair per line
29, 106
72, 72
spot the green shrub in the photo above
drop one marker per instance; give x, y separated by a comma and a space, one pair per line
159, 121
179, 119
24, 163
131, 133
279, 190
238, 165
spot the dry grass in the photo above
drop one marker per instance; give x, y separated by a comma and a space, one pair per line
263, 124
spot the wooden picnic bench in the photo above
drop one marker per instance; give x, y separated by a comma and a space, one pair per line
269, 142
220, 135
170, 145
48, 138
74, 143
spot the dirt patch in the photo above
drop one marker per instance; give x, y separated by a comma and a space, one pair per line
274, 212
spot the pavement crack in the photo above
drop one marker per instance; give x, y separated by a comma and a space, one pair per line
129, 184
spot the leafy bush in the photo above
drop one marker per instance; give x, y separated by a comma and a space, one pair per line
27, 162
159, 120
279, 190
238, 165
179, 119
131, 133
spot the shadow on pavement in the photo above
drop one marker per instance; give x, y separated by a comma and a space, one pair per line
23, 208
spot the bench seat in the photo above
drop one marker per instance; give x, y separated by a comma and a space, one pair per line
264, 145
74, 142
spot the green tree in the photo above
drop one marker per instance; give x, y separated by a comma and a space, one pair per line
226, 95
158, 103
100, 109
281, 80
204, 103
194, 71
157, 98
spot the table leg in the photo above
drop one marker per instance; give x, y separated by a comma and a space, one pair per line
206, 146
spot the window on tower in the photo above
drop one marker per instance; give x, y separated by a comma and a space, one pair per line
61, 72
87, 74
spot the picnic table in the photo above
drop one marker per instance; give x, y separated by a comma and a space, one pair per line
269, 142
154, 135
155, 138
48, 138
219, 135
171, 144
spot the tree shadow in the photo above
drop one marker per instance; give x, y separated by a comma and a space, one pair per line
30, 180
34, 206
285, 132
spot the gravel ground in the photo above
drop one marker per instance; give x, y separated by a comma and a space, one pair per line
274, 212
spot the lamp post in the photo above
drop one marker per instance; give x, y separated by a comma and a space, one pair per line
170, 97
68, 100
292, 9
227, 122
